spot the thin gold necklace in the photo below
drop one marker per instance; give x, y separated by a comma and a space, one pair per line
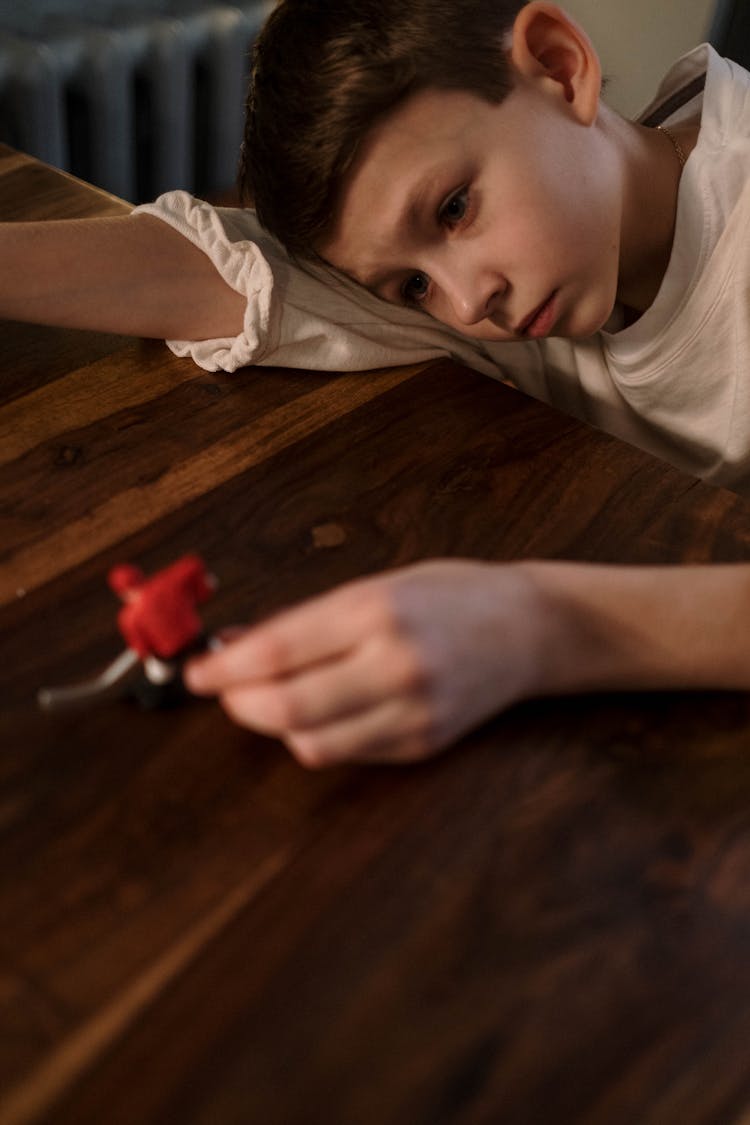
675, 144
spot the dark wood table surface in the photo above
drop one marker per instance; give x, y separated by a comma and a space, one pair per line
548, 924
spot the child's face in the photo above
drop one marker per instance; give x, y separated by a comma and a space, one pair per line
502, 221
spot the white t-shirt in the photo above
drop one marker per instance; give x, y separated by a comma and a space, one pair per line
674, 383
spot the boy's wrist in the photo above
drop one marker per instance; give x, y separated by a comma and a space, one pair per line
566, 649
600, 628
557, 657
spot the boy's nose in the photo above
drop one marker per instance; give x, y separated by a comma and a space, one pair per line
475, 296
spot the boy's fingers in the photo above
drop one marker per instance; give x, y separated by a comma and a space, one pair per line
312, 632
325, 693
391, 732
225, 636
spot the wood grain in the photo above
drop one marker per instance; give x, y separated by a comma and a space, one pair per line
547, 924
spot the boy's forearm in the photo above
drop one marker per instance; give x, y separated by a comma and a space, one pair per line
132, 274
619, 628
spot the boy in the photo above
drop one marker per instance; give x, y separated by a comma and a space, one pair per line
457, 160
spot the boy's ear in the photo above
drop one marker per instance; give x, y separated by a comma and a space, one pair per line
548, 46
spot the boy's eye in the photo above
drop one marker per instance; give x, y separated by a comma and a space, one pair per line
454, 208
415, 289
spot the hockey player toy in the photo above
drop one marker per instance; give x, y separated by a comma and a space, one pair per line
161, 627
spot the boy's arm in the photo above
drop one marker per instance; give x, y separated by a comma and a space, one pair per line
399, 666
128, 274
634, 628
299, 314
215, 286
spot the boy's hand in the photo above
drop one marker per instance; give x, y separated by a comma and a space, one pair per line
398, 666
390, 668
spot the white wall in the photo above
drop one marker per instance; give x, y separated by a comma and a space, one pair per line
638, 39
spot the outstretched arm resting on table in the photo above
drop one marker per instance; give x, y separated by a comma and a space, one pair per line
399, 666
130, 274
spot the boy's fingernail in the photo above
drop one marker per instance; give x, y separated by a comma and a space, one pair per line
192, 675
226, 635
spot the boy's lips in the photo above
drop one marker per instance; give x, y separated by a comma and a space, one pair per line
540, 320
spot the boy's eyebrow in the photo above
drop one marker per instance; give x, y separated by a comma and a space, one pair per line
407, 220
415, 201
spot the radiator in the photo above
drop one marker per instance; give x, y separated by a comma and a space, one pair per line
137, 100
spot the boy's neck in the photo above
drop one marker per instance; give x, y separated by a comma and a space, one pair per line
651, 178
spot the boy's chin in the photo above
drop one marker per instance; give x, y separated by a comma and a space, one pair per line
587, 320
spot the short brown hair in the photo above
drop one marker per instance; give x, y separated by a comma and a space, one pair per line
326, 71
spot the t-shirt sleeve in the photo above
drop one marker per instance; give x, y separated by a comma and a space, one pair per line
300, 315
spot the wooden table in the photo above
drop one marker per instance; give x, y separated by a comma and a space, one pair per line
549, 924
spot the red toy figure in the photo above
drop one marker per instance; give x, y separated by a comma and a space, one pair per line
159, 616
160, 624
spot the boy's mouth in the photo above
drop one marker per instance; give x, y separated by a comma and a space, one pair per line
539, 322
